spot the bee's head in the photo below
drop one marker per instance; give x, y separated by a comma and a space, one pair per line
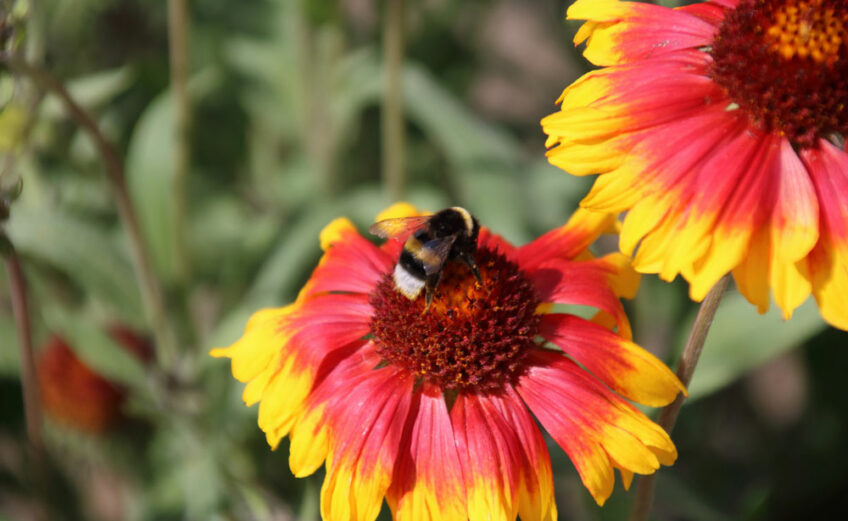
464, 221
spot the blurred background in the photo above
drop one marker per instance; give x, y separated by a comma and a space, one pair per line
241, 129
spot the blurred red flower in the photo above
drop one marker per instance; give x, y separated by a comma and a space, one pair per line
73, 394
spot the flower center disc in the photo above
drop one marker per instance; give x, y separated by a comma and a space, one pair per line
786, 64
472, 336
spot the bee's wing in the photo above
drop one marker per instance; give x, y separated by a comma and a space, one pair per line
440, 249
398, 226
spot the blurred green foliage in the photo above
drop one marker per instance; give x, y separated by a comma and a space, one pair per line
285, 136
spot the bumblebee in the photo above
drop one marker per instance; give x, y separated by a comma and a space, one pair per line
447, 235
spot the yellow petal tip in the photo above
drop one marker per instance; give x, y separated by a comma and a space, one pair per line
334, 231
220, 352
402, 209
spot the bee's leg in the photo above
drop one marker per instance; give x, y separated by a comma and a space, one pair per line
430, 290
468, 259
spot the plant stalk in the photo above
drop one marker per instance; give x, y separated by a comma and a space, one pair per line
152, 295
685, 369
23, 325
178, 30
394, 177
319, 133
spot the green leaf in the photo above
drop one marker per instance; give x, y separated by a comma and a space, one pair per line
279, 274
150, 168
90, 91
682, 501
310, 500
487, 192
299, 248
551, 194
81, 250
189, 466
272, 97
357, 83
465, 139
227, 238
86, 195
150, 171
740, 339
548, 196
97, 349
255, 502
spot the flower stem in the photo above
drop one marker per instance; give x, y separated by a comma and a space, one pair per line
152, 295
178, 50
32, 405
688, 360
315, 76
392, 115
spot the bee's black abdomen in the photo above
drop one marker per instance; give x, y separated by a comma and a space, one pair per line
411, 265
409, 275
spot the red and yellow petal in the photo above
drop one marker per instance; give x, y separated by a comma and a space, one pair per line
776, 257
649, 149
620, 32
674, 226
428, 484
741, 202
367, 417
263, 337
282, 399
350, 263
310, 436
536, 490
597, 428
795, 220
624, 282
585, 283
324, 324
494, 242
310, 442
399, 210
624, 366
501, 474
686, 219
658, 172
489, 461
569, 241
605, 109
623, 279
262, 359
282, 349
828, 262
712, 11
